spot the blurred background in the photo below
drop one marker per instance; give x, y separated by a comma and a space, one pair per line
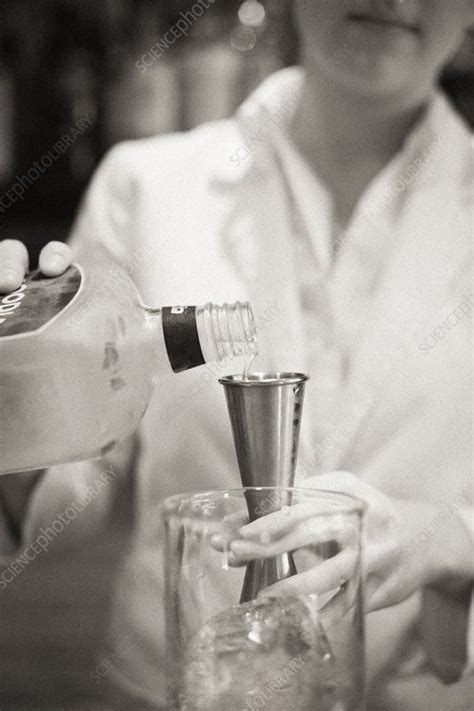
77, 76
108, 61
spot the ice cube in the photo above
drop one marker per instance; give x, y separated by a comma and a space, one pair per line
264, 654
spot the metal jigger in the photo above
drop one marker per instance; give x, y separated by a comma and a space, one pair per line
265, 412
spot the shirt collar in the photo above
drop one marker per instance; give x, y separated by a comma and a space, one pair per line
263, 119
435, 150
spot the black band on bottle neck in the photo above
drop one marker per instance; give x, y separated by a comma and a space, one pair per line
181, 337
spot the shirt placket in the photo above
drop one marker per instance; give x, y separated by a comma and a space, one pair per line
327, 362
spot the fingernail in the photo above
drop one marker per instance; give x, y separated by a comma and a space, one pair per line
56, 263
238, 547
269, 592
9, 281
232, 560
250, 535
246, 531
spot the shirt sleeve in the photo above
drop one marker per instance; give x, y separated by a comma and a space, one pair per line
105, 219
71, 502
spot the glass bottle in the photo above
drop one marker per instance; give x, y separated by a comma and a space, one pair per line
80, 353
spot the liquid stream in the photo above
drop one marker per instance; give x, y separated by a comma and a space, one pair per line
246, 373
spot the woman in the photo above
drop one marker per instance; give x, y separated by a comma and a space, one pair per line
337, 202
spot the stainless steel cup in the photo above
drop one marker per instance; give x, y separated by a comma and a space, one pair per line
265, 411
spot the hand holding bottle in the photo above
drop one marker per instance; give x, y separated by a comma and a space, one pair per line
54, 259
80, 353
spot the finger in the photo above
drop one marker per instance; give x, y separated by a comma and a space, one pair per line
346, 483
232, 561
221, 541
325, 577
250, 550
318, 544
309, 518
340, 601
379, 507
55, 258
13, 264
236, 520
278, 523
382, 579
229, 531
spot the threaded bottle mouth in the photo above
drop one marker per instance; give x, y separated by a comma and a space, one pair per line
230, 329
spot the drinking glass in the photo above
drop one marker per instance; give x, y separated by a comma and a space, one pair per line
299, 644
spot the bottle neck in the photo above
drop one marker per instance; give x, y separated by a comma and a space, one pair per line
203, 334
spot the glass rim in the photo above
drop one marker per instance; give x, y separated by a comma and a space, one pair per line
264, 379
354, 505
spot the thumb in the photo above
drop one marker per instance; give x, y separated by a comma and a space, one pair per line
55, 258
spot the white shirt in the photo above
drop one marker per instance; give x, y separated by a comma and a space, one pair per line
209, 216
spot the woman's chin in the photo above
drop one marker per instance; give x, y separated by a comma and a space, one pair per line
376, 82
381, 76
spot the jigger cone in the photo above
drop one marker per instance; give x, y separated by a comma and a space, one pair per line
265, 413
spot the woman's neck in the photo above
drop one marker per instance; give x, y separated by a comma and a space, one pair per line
347, 138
